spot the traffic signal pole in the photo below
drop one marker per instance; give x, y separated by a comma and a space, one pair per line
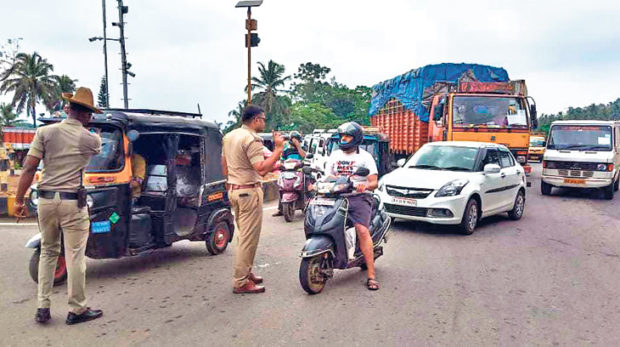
121, 26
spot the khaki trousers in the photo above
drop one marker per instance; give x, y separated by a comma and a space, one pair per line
247, 204
56, 215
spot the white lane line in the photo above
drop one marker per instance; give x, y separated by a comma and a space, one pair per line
35, 224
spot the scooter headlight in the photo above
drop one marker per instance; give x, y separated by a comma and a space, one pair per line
337, 188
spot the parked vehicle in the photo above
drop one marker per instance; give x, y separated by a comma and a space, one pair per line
375, 143
537, 147
293, 186
582, 154
454, 102
318, 149
455, 183
325, 227
183, 195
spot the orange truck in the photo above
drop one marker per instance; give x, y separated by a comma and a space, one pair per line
454, 102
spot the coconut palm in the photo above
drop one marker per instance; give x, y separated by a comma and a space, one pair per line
31, 81
64, 84
270, 82
236, 115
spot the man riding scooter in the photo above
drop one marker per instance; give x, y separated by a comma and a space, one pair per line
345, 162
292, 150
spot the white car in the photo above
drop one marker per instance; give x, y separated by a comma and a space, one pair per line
455, 183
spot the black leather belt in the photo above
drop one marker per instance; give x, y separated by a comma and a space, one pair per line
46, 194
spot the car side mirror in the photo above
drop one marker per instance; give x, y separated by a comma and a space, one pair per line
310, 156
533, 116
362, 171
401, 162
492, 169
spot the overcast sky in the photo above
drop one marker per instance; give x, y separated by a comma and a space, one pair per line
186, 52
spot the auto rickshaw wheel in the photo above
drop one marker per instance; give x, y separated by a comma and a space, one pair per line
218, 239
60, 274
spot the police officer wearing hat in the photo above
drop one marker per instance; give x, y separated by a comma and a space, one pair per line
65, 148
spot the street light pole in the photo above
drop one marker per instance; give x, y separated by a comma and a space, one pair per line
105, 53
249, 40
121, 26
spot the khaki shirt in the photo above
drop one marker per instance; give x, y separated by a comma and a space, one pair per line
66, 149
243, 148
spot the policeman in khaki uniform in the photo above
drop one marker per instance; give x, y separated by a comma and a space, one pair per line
65, 148
244, 164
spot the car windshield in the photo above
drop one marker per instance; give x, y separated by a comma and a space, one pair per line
489, 111
580, 137
368, 145
537, 142
111, 156
444, 158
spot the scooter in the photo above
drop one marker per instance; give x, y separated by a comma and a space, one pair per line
329, 243
293, 184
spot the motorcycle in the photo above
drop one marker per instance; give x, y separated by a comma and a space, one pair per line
293, 184
330, 238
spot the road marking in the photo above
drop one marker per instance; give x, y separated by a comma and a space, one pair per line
35, 224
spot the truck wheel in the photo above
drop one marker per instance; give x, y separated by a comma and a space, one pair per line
608, 191
470, 217
309, 277
288, 210
545, 188
517, 211
218, 239
60, 275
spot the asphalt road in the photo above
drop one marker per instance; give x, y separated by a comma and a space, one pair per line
551, 278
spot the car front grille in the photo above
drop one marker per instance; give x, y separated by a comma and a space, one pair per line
406, 210
571, 165
575, 173
403, 192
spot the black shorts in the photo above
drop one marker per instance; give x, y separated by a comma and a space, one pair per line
360, 209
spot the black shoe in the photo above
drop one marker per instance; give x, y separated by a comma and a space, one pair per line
43, 315
277, 214
89, 314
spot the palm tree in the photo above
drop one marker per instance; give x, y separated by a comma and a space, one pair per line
8, 118
270, 81
31, 81
64, 84
236, 115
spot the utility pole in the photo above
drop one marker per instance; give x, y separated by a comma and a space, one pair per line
251, 40
105, 52
121, 25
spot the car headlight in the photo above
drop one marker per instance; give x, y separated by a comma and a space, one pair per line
89, 201
381, 185
602, 167
452, 188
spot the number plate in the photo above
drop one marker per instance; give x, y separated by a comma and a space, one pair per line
322, 202
574, 181
405, 201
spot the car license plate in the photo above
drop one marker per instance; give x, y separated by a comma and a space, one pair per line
323, 202
405, 201
574, 181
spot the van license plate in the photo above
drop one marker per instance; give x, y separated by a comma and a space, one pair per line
405, 201
322, 202
574, 181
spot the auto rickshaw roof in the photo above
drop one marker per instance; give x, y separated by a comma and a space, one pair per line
144, 120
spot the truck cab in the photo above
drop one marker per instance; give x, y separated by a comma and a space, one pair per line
497, 112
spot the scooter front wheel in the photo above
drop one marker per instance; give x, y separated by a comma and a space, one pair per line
310, 276
288, 210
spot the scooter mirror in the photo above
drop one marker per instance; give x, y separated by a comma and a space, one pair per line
362, 171
307, 170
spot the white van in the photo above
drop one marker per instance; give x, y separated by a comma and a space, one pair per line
582, 154
318, 149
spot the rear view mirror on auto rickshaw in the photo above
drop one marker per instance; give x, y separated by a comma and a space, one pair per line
133, 135
310, 156
307, 170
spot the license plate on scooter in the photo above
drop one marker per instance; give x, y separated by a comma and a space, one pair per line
322, 202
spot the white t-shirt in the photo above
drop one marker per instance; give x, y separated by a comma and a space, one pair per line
343, 164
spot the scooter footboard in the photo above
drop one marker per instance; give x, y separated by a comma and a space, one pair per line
317, 245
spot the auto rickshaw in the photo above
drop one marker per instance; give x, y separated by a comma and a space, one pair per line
183, 194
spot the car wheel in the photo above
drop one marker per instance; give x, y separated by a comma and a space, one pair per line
608, 191
517, 211
470, 217
545, 188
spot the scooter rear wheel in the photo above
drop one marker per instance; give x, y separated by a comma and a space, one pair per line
309, 274
288, 210
60, 273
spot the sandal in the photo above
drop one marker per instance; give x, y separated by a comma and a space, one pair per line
372, 284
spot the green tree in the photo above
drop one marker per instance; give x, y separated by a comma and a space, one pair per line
235, 122
8, 55
8, 118
64, 84
31, 81
103, 98
271, 80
